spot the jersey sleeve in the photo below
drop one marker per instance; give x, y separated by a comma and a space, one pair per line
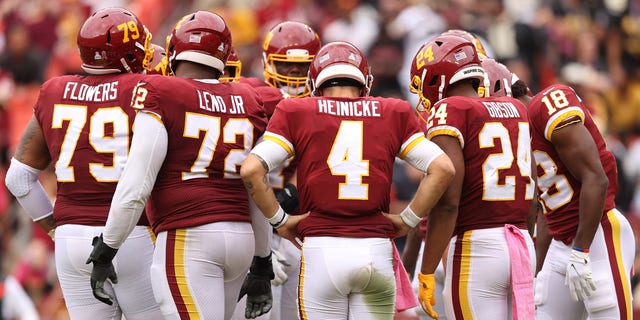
145, 99
277, 130
413, 133
447, 118
555, 108
270, 97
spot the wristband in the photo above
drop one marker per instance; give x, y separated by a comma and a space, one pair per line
279, 219
409, 217
581, 250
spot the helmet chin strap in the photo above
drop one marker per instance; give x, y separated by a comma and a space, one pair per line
441, 88
125, 65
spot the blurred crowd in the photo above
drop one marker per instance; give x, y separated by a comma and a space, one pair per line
594, 46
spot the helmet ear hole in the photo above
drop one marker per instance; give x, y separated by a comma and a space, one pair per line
497, 86
433, 81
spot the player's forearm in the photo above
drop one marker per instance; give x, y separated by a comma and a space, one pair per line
442, 221
592, 198
147, 154
261, 229
127, 206
411, 249
254, 175
433, 184
543, 240
47, 223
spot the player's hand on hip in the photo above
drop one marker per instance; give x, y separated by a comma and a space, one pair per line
289, 230
257, 287
399, 225
101, 257
578, 276
426, 294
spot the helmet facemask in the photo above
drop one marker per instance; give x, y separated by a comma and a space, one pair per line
276, 76
423, 107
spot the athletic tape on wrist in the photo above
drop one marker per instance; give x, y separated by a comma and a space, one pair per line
409, 217
279, 219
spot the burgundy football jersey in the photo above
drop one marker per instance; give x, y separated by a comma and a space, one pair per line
495, 140
271, 96
345, 148
211, 129
86, 121
254, 82
552, 108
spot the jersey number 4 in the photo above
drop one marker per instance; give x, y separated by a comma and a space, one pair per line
345, 159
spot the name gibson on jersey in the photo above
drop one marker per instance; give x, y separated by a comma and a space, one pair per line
83, 92
501, 109
360, 108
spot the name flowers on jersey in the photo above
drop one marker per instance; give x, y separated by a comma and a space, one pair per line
83, 92
361, 108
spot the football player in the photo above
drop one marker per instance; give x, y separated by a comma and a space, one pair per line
159, 64
82, 124
492, 193
288, 49
233, 68
192, 133
414, 245
345, 142
586, 246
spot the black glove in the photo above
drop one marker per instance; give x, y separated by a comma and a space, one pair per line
101, 256
288, 198
257, 287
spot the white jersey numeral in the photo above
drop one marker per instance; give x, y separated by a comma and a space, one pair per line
345, 159
211, 126
555, 189
493, 189
116, 143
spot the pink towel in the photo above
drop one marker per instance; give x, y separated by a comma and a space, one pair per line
405, 296
523, 304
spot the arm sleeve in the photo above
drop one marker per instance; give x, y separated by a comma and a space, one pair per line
273, 153
148, 150
422, 154
22, 182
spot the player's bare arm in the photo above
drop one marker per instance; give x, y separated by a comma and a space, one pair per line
32, 149
47, 224
535, 207
31, 157
254, 175
411, 249
572, 142
442, 218
543, 240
